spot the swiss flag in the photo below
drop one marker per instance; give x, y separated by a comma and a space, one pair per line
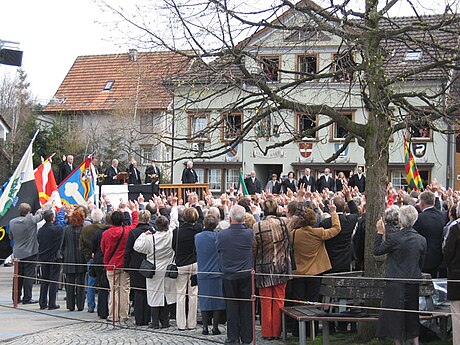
46, 183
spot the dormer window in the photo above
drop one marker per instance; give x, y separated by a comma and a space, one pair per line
413, 56
108, 85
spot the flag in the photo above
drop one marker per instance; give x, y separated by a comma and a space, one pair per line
20, 189
242, 185
46, 183
78, 187
412, 175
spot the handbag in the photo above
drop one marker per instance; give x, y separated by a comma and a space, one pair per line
147, 269
171, 269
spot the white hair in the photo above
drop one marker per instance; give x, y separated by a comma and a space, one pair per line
237, 214
96, 215
407, 216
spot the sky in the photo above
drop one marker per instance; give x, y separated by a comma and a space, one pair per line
53, 33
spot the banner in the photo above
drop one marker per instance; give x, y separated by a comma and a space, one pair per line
78, 187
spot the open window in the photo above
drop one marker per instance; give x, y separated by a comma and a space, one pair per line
342, 63
307, 65
231, 125
305, 122
270, 66
339, 133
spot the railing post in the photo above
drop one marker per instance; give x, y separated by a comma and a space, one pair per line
114, 302
253, 301
15, 282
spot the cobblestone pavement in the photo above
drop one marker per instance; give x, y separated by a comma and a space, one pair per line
27, 324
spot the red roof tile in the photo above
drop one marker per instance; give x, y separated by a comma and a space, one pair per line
141, 80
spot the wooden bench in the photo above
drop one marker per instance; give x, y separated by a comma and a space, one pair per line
304, 314
347, 289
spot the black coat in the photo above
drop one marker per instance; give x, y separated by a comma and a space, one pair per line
308, 182
49, 241
133, 259
71, 250
64, 171
321, 183
184, 238
110, 173
150, 172
189, 176
355, 181
134, 175
452, 260
339, 247
429, 224
253, 187
338, 185
98, 257
288, 184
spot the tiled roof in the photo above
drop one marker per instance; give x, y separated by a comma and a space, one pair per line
138, 81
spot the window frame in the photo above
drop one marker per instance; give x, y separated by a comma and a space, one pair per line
298, 116
264, 65
234, 134
301, 74
146, 127
333, 128
218, 175
190, 117
415, 139
145, 154
336, 57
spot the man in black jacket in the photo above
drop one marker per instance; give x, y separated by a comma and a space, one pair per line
308, 180
326, 181
189, 175
339, 248
49, 242
253, 185
134, 175
153, 176
111, 173
429, 224
65, 168
358, 180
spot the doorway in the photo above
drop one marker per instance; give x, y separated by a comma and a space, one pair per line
265, 171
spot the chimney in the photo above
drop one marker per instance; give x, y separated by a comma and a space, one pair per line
133, 54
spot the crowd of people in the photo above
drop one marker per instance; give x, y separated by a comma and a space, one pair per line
204, 251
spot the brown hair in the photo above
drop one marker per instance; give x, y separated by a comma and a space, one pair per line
190, 215
307, 217
77, 217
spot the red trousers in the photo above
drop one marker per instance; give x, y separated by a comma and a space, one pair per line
271, 301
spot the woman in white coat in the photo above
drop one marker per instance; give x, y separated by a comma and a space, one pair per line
161, 291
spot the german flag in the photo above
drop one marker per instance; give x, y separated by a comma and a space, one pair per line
412, 175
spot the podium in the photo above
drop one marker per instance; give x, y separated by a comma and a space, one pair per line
122, 177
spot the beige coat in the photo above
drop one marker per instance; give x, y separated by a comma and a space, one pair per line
309, 249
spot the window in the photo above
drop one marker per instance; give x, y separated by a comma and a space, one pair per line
338, 132
308, 34
74, 122
197, 129
307, 64
262, 129
398, 178
232, 176
413, 56
270, 68
108, 85
305, 122
215, 179
420, 133
200, 174
231, 125
146, 154
146, 123
341, 63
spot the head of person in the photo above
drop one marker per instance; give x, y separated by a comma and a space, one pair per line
94, 161
306, 216
339, 203
190, 215
427, 199
292, 208
48, 216
152, 208
154, 162
70, 159
327, 171
307, 172
210, 222
144, 217
162, 224
115, 163
407, 216
360, 170
341, 175
108, 218
246, 203
270, 207
134, 163
117, 218
253, 174
291, 175
215, 211
190, 164
77, 217
24, 209
96, 215
237, 214
274, 177
392, 215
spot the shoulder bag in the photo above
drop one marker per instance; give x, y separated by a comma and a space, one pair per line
147, 269
171, 269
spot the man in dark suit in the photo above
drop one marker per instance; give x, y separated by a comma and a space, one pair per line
308, 180
358, 180
429, 224
134, 175
339, 247
111, 173
65, 168
189, 174
153, 176
326, 181
253, 185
